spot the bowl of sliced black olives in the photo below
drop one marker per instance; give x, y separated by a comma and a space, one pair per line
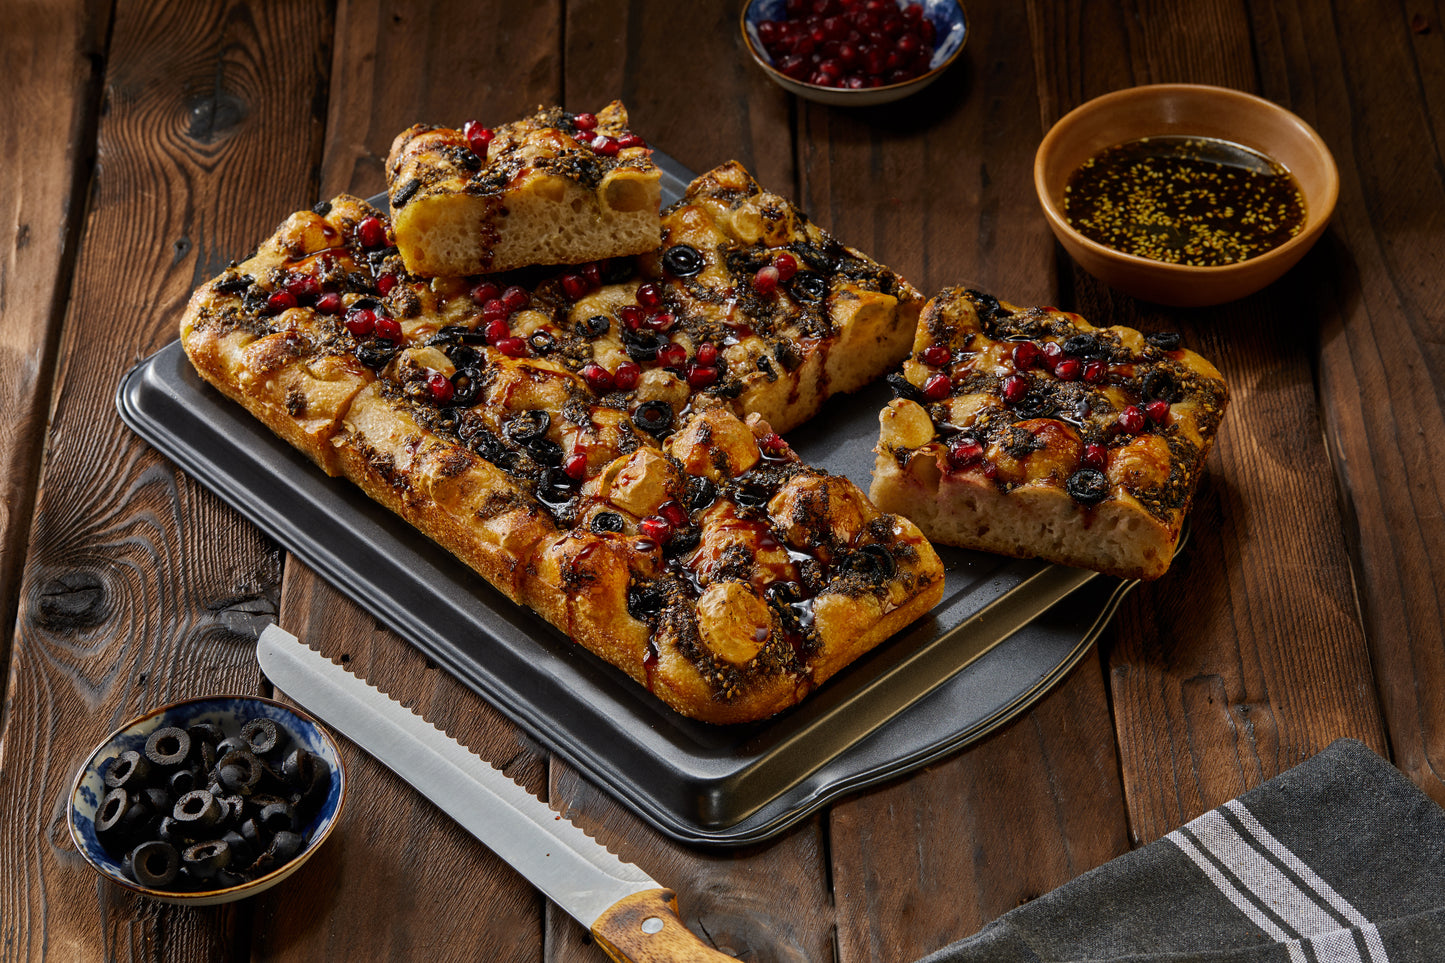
209, 800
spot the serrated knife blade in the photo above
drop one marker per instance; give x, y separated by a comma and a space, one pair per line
632, 916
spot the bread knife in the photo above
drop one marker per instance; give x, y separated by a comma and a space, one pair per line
633, 917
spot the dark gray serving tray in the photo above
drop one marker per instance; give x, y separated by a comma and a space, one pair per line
938, 685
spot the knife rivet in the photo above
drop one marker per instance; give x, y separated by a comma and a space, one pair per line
652, 925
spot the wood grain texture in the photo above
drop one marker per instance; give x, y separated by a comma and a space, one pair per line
1382, 314
138, 588
1248, 656
397, 857
53, 52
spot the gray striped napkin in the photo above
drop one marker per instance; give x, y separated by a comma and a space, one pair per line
1339, 860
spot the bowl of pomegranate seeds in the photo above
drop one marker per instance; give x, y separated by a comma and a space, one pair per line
854, 52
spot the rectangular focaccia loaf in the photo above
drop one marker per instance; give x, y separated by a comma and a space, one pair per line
1030, 432
553, 188
562, 439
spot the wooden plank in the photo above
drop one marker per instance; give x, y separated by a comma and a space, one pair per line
45, 158
940, 187
156, 581
1248, 657
1369, 83
399, 859
707, 107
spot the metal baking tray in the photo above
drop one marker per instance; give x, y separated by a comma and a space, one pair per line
938, 685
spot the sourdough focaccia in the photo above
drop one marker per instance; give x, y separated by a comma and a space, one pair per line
559, 438
554, 188
1032, 433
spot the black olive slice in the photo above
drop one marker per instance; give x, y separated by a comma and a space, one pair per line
527, 425
204, 860
653, 417
701, 493
593, 327
235, 285
197, 808
158, 799
683, 541
405, 193
903, 388
542, 342
555, 488
155, 864
323, 208
375, 353
299, 769
1035, 405
682, 261
1088, 486
128, 769
1165, 340
168, 747
239, 771
751, 494
489, 446
988, 307
177, 834
643, 345
110, 814
607, 523
262, 736
873, 562
284, 845
278, 815
784, 593
184, 780
237, 844
618, 269
645, 601
1159, 384
809, 286
1082, 346
466, 385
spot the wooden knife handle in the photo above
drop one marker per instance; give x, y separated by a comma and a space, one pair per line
645, 928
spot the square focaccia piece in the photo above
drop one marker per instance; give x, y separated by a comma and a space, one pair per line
1032, 433
553, 188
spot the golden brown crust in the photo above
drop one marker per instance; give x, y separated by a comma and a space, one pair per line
1030, 432
648, 521
544, 190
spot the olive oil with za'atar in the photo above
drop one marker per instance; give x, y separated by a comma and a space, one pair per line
1195, 201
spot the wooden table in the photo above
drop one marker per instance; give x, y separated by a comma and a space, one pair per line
147, 144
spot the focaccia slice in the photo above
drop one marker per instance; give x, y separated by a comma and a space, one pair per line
1032, 433
553, 188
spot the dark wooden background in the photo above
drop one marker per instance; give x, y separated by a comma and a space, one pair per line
144, 144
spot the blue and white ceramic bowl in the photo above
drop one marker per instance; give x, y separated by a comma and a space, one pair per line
950, 31
230, 713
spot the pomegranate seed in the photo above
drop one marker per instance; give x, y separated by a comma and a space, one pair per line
1095, 372
1025, 355
656, 528
598, 378
1014, 388
388, 328
496, 330
302, 287
936, 388
371, 232
630, 139
478, 137
1095, 456
632, 316
484, 292
1069, 369
937, 355
1158, 411
575, 286
280, 301
361, 322
585, 121
440, 387
772, 441
626, 375
1053, 353
385, 283
662, 321
672, 355
649, 295
515, 298
593, 273
707, 354
700, 377
1131, 419
766, 280
990, 470
512, 347
495, 310
965, 453
575, 465
329, 303
673, 513
605, 146
787, 266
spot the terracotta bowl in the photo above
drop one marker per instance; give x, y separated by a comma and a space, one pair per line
1185, 110
950, 31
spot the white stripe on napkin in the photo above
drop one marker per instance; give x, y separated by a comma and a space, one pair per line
1277, 891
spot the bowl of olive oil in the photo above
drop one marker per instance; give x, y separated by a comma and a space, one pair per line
1184, 194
